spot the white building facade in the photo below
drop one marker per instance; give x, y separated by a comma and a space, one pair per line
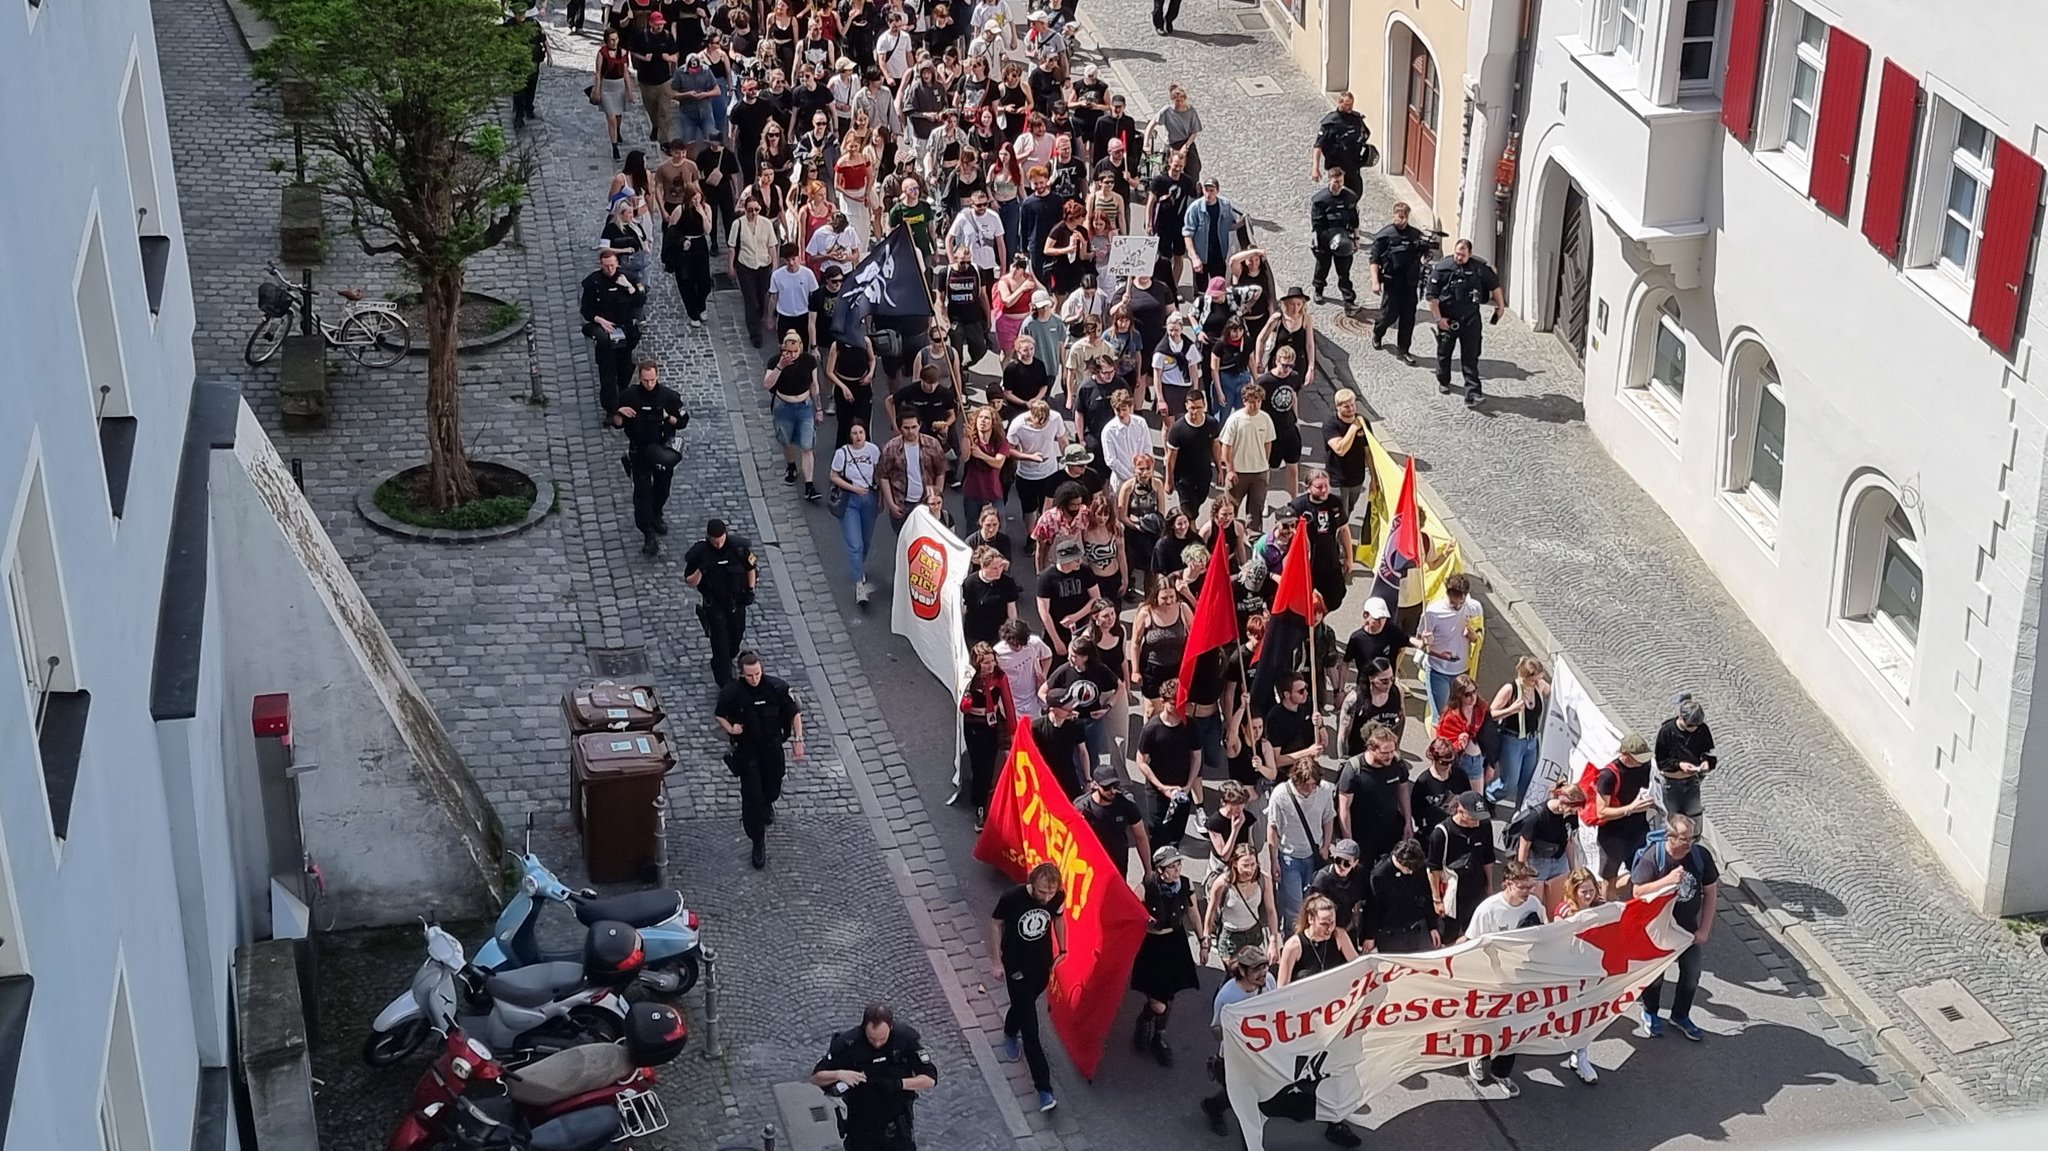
1794, 243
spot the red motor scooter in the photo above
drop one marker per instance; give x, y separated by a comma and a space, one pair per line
591, 1095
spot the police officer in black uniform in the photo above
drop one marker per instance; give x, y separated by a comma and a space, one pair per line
1333, 222
610, 306
1397, 252
1342, 142
758, 712
651, 412
721, 567
877, 1069
1459, 286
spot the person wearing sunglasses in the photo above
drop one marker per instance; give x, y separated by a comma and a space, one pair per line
1250, 974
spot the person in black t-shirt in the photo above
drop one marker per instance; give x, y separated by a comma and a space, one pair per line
1620, 806
1115, 819
1330, 554
1170, 759
1192, 453
1062, 739
655, 53
1404, 919
1684, 756
1291, 733
1030, 923
1348, 884
1064, 592
1170, 193
965, 299
1373, 797
1347, 452
988, 596
1462, 846
1377, 637
1433, 792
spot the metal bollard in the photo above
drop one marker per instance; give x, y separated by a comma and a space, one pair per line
767, 1137
661, 838
710, 982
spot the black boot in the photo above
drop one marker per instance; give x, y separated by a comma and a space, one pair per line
760, 856
661, 525
648, 545
1142, 1035
1215, 1108
1160, 1050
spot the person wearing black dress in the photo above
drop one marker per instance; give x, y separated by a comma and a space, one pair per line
1164, 967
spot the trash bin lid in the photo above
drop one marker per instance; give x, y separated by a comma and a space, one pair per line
618, 754
611, 705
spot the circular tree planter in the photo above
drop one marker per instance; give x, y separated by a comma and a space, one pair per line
485, 321
510, 501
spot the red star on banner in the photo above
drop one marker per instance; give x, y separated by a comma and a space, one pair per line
1627, 940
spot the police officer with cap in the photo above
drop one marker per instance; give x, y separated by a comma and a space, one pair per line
1397, 251
721, 567
1333, 221
876, 1069
1459, 286
1342, 142
651, 412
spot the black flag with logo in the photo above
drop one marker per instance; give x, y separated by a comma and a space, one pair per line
888, 282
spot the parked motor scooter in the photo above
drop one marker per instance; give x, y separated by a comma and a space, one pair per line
525, 1013
491, 1122
618, 1074
668, 933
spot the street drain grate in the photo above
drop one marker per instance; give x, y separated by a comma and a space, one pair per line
1954, 1016
616, 662
1260, 85
808, 1120
1252, 21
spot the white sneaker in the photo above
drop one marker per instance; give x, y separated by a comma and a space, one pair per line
861, 592
1509, 1088
1477, 1072
1581, 1064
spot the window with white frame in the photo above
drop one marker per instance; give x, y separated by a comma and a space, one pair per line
1796, 60
124, 1118
42, 634
1883, 585
1628, 28
1667, 353
1699, 46
1754, 484
1655, 377
1954, 180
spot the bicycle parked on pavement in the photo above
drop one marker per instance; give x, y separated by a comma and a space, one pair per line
371, 332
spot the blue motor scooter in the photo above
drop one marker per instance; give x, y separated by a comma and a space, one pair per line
668, 933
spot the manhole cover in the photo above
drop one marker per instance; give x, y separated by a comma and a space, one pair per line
807, 1117
613, 662
1357, 322
1261, 85
1954, 1015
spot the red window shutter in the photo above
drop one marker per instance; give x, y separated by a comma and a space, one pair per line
1891, 158
1745, 52
2009, 213
1841, 118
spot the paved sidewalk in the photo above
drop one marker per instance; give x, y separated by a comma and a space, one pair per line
858, 903
1575, 544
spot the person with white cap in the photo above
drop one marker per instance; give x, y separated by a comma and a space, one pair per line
1164, 966
1087, 102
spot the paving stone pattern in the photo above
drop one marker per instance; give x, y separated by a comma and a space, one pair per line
1594, 558
494, 632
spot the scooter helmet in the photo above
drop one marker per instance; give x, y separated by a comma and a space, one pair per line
655, 1033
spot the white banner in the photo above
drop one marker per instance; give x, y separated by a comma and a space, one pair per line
1575, 733
930, 563
1317, 1050
1132, 256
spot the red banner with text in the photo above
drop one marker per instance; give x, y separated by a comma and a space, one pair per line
1030, 821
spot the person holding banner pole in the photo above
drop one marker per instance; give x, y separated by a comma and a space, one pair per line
1250, 974
1581, 892
1512, 908
1030, 923
1403, 904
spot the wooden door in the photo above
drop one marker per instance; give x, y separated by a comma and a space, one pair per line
1574, 273
1418, 153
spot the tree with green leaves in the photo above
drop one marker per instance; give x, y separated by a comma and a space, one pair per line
398, 99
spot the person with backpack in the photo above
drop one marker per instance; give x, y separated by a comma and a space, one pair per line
1679, 863
1618, 802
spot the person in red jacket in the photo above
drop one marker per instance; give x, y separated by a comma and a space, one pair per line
989, 715
1464, 714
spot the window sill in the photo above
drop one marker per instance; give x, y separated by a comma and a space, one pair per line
1618, 76
1943, 289
1793, 170
1892, 663
1757, 515
1657, 409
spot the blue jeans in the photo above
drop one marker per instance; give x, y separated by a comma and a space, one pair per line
1688, 982
857, 528
794, 425
1473, 765
1209, 733
1289, 886
1233, 388
1012, 212
1439, 694
1518, 756
1098, 739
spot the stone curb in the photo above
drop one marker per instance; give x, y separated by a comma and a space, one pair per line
1768, 910
256, 30
543, 503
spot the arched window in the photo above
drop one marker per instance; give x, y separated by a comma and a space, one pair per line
1667, 352
1883, 583
1655, 378
1756, 439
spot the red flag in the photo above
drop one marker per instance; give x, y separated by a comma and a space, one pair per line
1297, 590
1402, 550
1031, 821
1215, 623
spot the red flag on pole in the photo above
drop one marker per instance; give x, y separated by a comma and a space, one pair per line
1215, 623
1288, 627
1402, 550
1297, 589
